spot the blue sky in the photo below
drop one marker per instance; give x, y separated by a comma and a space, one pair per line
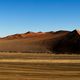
19, 16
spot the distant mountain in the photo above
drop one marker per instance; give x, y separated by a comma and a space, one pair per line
42, 42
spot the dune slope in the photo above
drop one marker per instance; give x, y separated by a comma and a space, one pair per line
31, 42
42, 42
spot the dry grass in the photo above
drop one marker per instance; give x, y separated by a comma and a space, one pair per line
31, 66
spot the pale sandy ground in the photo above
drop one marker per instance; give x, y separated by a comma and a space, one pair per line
30, 66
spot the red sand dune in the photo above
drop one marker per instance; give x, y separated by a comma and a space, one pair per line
42, 42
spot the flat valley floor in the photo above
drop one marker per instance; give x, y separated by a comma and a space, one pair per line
39, 66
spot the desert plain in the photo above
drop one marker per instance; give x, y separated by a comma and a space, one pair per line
39, 66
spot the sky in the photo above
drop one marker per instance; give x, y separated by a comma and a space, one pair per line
20, 16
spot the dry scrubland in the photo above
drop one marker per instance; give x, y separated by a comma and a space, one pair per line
37, 66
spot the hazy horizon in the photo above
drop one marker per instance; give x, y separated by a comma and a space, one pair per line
19, 16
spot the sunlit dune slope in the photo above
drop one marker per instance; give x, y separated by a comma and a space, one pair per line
40, 42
